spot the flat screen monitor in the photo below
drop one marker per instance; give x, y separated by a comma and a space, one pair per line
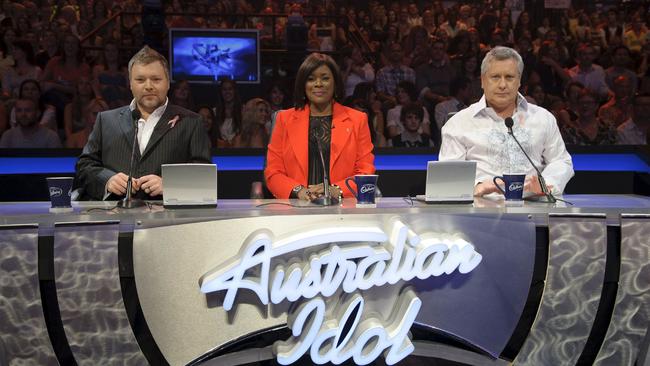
208, 55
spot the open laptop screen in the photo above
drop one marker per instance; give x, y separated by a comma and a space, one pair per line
450, 182
189, 185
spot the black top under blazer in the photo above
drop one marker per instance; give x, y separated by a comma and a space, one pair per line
108, 150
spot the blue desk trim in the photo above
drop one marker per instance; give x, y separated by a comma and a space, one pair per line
581, 162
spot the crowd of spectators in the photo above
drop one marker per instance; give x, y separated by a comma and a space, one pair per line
408, 64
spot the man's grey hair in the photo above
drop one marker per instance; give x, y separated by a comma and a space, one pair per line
501, 53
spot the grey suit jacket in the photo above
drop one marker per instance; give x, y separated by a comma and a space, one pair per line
108, 150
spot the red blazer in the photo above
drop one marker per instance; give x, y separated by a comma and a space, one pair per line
287, 156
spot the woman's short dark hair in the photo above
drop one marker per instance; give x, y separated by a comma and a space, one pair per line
409, 88
311, 63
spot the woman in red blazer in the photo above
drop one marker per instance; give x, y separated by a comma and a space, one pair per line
293, 168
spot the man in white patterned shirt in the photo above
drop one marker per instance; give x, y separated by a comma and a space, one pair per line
479, 133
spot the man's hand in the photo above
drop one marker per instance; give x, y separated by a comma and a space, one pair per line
531, 184
485, 187
151, 184
117, 184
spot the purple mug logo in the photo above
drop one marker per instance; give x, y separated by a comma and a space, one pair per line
60, 189
513, 186
516, 186
56, 192
366, 188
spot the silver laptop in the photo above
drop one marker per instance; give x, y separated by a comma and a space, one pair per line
189, 185
449, 182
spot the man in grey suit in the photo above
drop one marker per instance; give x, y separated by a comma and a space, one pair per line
166, 134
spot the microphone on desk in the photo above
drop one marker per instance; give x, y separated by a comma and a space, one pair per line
128, 201
542, 183
326, 198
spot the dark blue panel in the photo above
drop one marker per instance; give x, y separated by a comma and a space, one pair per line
581, 162
239, 162
610, 163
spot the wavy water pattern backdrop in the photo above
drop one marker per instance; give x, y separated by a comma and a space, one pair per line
23, 333
632, 309
90, 299
574, 281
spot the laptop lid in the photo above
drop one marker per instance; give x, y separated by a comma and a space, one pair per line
450, 181
189, 185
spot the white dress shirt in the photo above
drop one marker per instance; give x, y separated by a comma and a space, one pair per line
478, 133
146, 127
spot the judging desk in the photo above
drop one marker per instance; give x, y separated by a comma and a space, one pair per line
281, 281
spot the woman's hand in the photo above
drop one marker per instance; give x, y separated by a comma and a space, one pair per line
316, 191
305, 194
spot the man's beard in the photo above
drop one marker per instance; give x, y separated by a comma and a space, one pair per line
27, 124
150, 103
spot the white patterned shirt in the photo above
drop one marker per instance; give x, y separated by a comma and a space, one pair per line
477, 133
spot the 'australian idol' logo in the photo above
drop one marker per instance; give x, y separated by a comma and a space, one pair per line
330, 318
516, 186
367, 188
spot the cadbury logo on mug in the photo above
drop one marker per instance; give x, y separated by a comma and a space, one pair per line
55, 192
366, 188
60, 189
513, 185
516, 186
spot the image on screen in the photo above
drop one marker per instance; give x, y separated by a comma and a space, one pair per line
208, 55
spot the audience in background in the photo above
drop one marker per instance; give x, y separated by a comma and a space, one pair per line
617, 110
28, 133
4, 124
110, 77
227, 114
23, 69
49, 47
181, 95
77, 120
406, 94
376, 44
356, 70
592, 76
588, 129
277, 96
621, 67
365, 99
411, 116
460, 98
393, 73
636, 130
256, 115
207, 116
30, 89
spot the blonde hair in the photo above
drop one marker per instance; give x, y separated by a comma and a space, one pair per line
249, 111
250, 126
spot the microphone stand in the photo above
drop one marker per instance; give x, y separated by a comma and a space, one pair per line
540, 178
128, 201
326, 198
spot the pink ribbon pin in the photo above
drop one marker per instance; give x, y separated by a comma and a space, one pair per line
173, 121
